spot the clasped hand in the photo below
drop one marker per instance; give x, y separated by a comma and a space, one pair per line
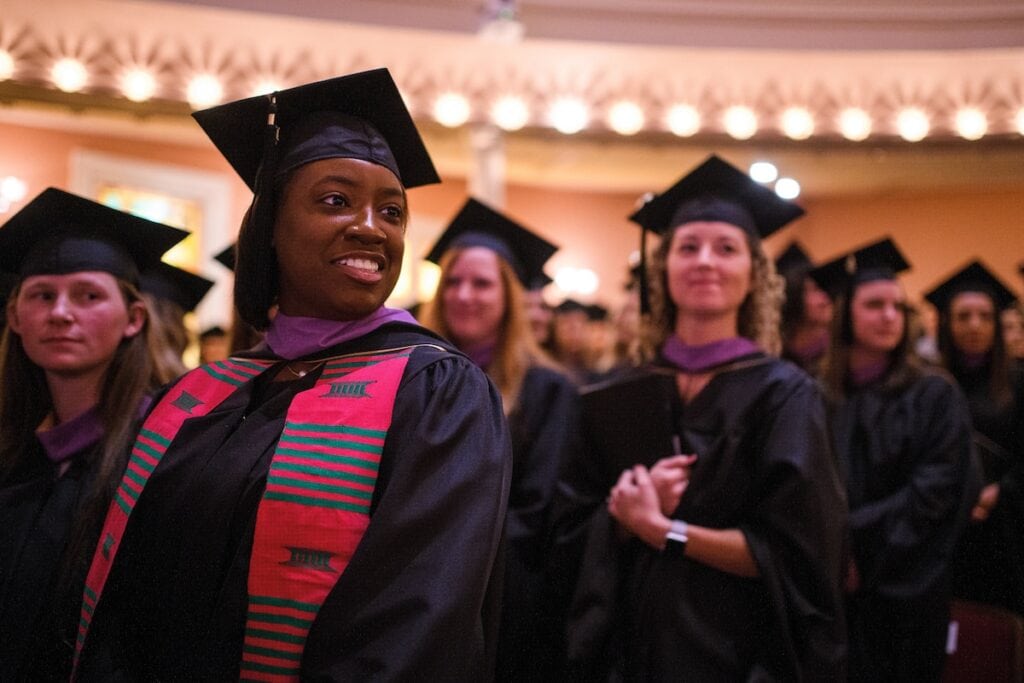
641, 497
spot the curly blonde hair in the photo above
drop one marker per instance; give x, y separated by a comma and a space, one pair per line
759, 314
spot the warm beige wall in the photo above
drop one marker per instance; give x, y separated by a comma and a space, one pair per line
939, 230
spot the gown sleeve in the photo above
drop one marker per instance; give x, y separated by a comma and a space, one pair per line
796, 534
940, 483
419, 600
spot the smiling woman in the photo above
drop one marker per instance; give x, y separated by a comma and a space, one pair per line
330, 506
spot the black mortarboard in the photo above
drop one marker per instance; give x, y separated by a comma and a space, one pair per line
478, 225
717, 191
879, 260
596, 312
974, 277
571, 306
59, 233
226, 257
215, 331
792, 259
165, 281
359, 116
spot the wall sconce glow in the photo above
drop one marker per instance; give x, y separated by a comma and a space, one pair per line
265, 86
1019, 120
138, 85
428, 277
204, 90
763, 171
855, 124
971, 123
569, 115
12, 191
740, 122
510, 113
6, 65
577, 280
451, 109
797, 123
912, 124
69, 74
683, 120
626, 118
787, 188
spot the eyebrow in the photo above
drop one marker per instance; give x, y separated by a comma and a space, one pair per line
349, 182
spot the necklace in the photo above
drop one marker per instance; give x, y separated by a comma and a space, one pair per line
305, 371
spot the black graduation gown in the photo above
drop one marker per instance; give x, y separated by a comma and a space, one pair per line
910, 481
38, 606
419, 598
765, 467
989, 563
544, 428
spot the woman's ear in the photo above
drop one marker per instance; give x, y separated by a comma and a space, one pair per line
136, 319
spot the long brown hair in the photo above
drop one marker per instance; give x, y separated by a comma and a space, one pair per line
25, 401
905, 366
759, 313
517, 348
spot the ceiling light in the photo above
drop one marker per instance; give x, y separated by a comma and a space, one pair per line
683, 120
6, 65
138, 85
204, 90
510, 113
569, 115
265, 86
69, 74
971, 123
912, 124
797, 123
763, 171
451, 109
855, 124
787, 188
626, 118
740, 122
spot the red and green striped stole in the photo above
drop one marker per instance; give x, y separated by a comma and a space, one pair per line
196, 394
316, 506
326, 460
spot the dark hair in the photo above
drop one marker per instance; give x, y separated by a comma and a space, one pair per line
905, 368
25, 401
256, 276
998, 361
793, 311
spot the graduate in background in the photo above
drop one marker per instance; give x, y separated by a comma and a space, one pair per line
242, 335
76, 371
486, 262
331, 506
806, 312
734, 517
902, 435
170, 293
989, 563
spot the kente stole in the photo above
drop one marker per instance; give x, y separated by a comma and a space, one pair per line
313, 512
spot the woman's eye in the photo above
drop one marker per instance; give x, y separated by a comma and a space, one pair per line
336, 200
395, 212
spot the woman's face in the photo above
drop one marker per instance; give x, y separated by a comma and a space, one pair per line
71, 325
340, 237
474, 297
709, 268
972, 322
1013, 332
878, 311
817, 304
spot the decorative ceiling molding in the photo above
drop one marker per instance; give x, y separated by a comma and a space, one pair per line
174, 43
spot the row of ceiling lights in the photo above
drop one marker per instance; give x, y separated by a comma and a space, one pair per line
568, 115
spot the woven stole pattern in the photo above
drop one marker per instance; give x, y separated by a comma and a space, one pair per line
316, 506
196, 394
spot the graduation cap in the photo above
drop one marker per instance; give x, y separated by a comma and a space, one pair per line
596, 312
571, 306
792, 259
478, 225
714, 191
358, 116
880, 260
210, 332
717, 191
226, 257
171, 283
974, 277
59, 233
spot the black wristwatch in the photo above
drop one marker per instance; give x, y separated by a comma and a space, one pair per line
676, 538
